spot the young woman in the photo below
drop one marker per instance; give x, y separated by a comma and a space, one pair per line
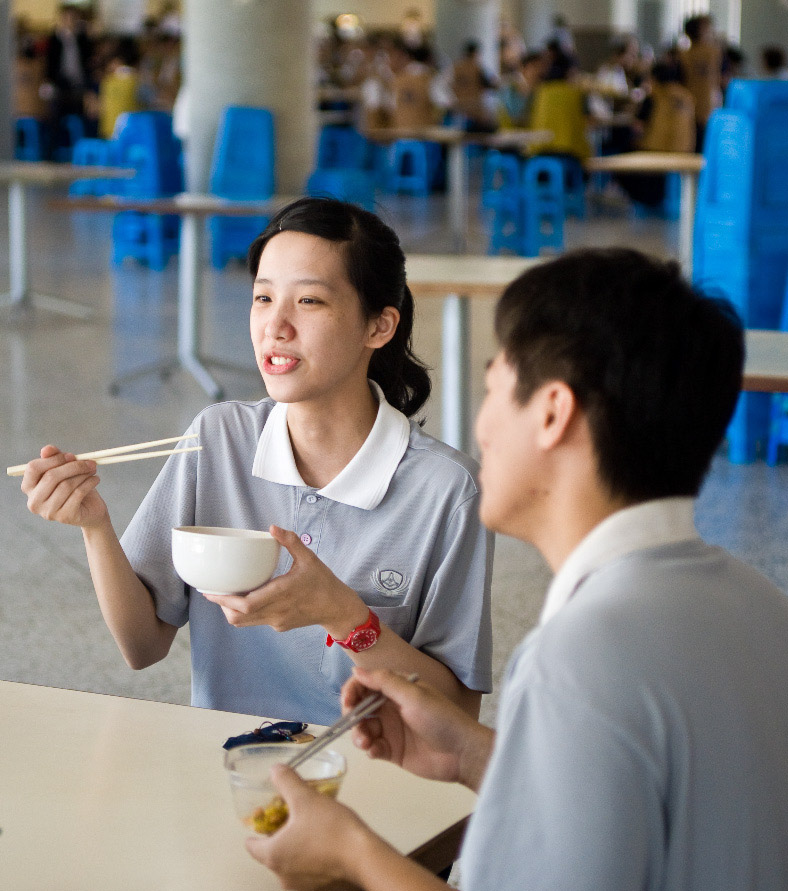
379, 524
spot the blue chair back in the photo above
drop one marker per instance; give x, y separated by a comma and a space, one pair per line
146, 141
27, 140
96, 153
341, 146
353, 186
243, 158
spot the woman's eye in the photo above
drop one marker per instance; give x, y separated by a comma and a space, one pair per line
261, 298
310, 301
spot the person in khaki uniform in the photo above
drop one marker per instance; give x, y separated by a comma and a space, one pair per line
412, 87
471, 86
701, 64
670, 125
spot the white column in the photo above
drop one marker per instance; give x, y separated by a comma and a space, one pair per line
251, 52
6, 114
458, 21
535, 20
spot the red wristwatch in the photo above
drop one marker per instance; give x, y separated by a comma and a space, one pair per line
361, 637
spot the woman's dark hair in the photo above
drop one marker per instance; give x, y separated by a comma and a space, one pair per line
375, 267
655, 364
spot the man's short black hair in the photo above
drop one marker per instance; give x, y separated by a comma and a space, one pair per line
656, 365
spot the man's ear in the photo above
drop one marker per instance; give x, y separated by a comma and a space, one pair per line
559, 407
382, 329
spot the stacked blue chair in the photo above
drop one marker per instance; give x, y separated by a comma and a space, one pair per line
544, 205
778, 420
242, 170
146, 142
27, 140
502, 194
354, 186
574, 187
93, 153
741, 233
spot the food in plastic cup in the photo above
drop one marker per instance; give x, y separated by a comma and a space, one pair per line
258, 804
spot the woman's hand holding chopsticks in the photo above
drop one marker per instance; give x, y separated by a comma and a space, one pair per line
62, 488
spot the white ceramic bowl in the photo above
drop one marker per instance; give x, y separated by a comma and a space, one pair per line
216, 560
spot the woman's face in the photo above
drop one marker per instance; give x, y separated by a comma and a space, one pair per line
310, 337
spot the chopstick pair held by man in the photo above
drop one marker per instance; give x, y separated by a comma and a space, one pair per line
383, 547
641, 731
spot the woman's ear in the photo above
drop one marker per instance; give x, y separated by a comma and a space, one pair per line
383, 328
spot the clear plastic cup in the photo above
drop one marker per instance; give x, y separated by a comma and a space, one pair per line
258, 805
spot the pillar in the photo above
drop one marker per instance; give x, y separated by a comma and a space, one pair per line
534, 18
256, 53
6, 113
458, 21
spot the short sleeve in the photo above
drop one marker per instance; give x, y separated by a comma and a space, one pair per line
147, 540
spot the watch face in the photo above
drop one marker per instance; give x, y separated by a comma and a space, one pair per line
363, 640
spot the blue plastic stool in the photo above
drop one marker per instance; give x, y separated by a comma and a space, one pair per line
500, 178
574, 188
343, 147
408, 167
242, 170
145, 141
73, 128
353, 186
27, 140
544, 205
93, 153
502, 194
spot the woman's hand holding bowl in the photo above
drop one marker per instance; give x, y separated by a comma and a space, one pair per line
308, 594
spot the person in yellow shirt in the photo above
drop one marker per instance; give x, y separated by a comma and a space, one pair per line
119, 88
702, 66
559, 105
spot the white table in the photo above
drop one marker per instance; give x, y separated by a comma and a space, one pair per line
766, 366
192, 208
19, 175
457, 280
103, 792
455, 141
686, 164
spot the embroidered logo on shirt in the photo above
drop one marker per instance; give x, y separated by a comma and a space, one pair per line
389, 581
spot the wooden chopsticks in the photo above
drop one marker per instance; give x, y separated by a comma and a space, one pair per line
122, 453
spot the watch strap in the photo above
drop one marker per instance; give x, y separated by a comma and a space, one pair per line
369, 630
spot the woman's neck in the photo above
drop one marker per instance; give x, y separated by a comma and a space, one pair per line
325, 438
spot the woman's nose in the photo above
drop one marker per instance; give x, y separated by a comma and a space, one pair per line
278, 325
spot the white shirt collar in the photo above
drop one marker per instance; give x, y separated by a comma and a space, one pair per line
649, 525
364, 481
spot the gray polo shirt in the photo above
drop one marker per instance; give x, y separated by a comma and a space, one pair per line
643, 736
420, 558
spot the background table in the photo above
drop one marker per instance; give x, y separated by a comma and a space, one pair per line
766, 367
686, 164
18, 175
192, 208
102, 792
458, 279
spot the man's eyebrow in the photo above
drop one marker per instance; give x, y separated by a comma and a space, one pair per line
300, 281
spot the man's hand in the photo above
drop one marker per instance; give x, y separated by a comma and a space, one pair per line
419, 729
318, 843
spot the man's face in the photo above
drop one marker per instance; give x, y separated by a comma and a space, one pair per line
512, 484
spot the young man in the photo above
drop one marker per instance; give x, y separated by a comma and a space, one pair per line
641, 740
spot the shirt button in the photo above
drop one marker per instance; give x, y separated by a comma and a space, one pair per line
306, 538
311, 499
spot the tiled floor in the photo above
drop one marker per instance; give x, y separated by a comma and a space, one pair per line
55, 373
